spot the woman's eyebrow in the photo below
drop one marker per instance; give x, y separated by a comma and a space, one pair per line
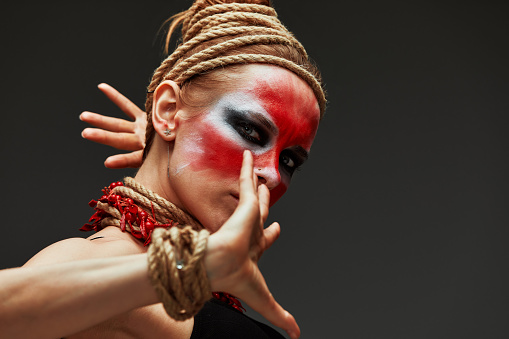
263, 120
301, 152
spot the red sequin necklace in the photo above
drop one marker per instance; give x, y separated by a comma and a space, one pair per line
138, 222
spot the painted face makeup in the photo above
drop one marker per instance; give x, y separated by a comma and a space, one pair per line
274, 114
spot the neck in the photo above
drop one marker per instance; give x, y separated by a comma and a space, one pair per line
153, 172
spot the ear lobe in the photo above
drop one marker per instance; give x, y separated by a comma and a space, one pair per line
164, 109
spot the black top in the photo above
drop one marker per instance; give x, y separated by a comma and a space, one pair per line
217, 320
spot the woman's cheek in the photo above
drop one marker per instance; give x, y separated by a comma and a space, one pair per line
218, 153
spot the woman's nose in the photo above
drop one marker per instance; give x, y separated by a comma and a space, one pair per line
268, 173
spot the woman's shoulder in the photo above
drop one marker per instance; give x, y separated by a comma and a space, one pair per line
109, 242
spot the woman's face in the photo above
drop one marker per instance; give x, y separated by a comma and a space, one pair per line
271, 112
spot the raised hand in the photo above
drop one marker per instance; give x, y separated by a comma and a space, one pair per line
234, 251
119, 133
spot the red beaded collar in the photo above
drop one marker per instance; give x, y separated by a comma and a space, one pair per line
140, 224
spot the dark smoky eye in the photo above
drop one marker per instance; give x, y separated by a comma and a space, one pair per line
287, 161
249, 132
290, 162
247, 129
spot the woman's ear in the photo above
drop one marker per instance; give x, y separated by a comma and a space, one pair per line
166, 105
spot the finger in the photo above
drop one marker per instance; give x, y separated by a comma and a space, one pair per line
247, 187
264, 303
126, 105
133, 159
124, 141
264, 199
107, 123
279, 317
255, 179
271, 234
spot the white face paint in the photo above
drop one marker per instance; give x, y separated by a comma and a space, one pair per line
193, 146
273, 113
180, 168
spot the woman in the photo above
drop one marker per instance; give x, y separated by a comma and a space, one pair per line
238, 96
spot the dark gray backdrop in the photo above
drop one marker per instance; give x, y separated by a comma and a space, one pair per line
397, 226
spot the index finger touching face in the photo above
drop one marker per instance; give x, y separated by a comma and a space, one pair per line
247, 183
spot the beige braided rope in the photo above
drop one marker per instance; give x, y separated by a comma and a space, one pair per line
219, 33
163, 208
175, 255
177, 271
249, 19
109, 209
232, 7
223, 20
223, 47
256, 58
111, 221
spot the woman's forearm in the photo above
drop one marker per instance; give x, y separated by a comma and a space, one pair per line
52, 301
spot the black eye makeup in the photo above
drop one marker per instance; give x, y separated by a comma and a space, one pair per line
291, 159
255, 128
247, 127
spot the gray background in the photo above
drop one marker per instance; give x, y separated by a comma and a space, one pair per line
397, 226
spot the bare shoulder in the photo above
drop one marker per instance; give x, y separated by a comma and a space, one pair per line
108, 242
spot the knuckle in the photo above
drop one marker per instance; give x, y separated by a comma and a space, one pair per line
249, 201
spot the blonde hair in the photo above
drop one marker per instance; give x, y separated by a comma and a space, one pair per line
219, 33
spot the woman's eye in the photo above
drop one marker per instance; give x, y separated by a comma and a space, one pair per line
249, 133
287, 161
247, 127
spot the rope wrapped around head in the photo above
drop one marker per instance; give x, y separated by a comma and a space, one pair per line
258, 24
226, 29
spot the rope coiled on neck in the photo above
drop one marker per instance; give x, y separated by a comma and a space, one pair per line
178, 244
163, 208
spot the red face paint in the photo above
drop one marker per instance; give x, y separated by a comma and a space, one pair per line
218, 152
273, 113
294, 110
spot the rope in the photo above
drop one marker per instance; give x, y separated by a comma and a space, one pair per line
218, 33
253, 21
223, 47
163, 208
177, 271
175, 255
223, 8
255, 58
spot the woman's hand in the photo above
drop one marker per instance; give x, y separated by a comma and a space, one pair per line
118, 133
234, 250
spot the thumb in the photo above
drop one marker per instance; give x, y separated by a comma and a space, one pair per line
271, 234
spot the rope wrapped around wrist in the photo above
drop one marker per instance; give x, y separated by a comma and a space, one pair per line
177, 271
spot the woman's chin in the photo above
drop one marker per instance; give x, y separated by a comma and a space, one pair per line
218, 218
